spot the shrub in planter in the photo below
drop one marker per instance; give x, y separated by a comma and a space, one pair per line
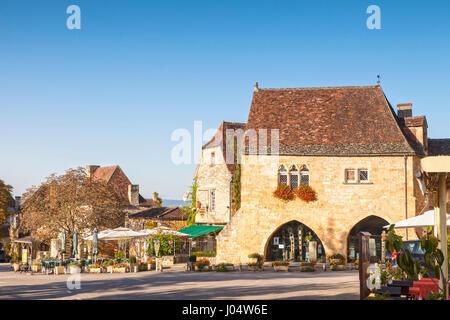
255, 266
120, 268
95, 268
337, 262
307, 266
151, 264
74, 267
255, 257
225, 267
202, 264
281, 265
36, 266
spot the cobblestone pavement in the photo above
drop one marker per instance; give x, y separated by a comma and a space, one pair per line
175, 283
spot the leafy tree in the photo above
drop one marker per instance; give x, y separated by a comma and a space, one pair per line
434, 258
168, 242
71, 202
6, 200
192, 209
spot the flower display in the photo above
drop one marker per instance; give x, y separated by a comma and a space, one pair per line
280, 263
305, 193
284, 192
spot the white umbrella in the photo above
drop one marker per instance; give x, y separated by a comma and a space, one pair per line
121, 234
424, 220
100, 234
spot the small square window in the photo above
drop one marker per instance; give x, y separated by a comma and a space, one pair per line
350, 176
363, 176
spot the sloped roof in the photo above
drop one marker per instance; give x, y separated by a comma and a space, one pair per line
160, 213
114, 176
219, 139
329, 121
439, 147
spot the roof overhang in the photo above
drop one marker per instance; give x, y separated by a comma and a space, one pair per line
437, 164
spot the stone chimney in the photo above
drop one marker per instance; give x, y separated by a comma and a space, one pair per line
256, 88
155, 196
90, 170
133, 194
404, 110
415, 128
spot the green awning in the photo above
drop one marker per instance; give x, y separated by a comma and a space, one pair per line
199, 230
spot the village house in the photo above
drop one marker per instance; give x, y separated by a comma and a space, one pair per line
348, 144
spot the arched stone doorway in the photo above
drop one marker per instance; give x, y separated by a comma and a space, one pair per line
372, 224
294, 241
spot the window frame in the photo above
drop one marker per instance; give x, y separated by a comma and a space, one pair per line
212, 200
304, 172
293, 171
346, 177
368, 176
285, 172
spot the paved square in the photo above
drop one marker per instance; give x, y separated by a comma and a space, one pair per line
174, 283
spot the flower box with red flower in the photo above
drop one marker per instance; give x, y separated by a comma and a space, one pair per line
120, 268
255, 266
307, 266
305, 193
284, 192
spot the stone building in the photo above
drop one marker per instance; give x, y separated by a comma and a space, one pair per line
214, 179
349, 145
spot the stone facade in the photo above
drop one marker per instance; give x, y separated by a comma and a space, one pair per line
339, 206
213, 176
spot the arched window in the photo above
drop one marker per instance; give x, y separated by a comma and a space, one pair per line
293, 177
304, 175
282, 175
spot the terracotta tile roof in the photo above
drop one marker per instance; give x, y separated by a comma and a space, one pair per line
329, 120
417, 121
160, 213
114, 176
149, 203
439, 147
220, 137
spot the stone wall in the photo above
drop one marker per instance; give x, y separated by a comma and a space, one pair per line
338, 208
213, 176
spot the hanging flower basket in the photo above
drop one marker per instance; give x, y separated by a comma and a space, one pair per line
284, 192
305, 193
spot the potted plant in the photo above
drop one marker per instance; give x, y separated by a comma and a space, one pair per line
307, 266
15, 262
254, 257
106, 266
60, 270
202, 265
133, 265
143, 266
337, 262
120, 268
151, 264
280, 265
74, 267
36, 266
225, 267
95, 268
356, 264
255, 266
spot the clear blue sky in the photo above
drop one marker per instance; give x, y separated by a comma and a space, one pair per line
113, 92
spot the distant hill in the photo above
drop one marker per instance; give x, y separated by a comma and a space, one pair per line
173, 203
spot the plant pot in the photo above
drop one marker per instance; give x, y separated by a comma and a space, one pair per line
36, 268
307, 269
151, 266
143, 267
253, 260
95, 270
16, 266
229, 268
255, 268
60, 270
204, 268
74, 270
109, 269
134, 267
281, 268
120, 270
339, 267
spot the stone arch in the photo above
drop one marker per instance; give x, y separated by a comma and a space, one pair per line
371, 223
293, 236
